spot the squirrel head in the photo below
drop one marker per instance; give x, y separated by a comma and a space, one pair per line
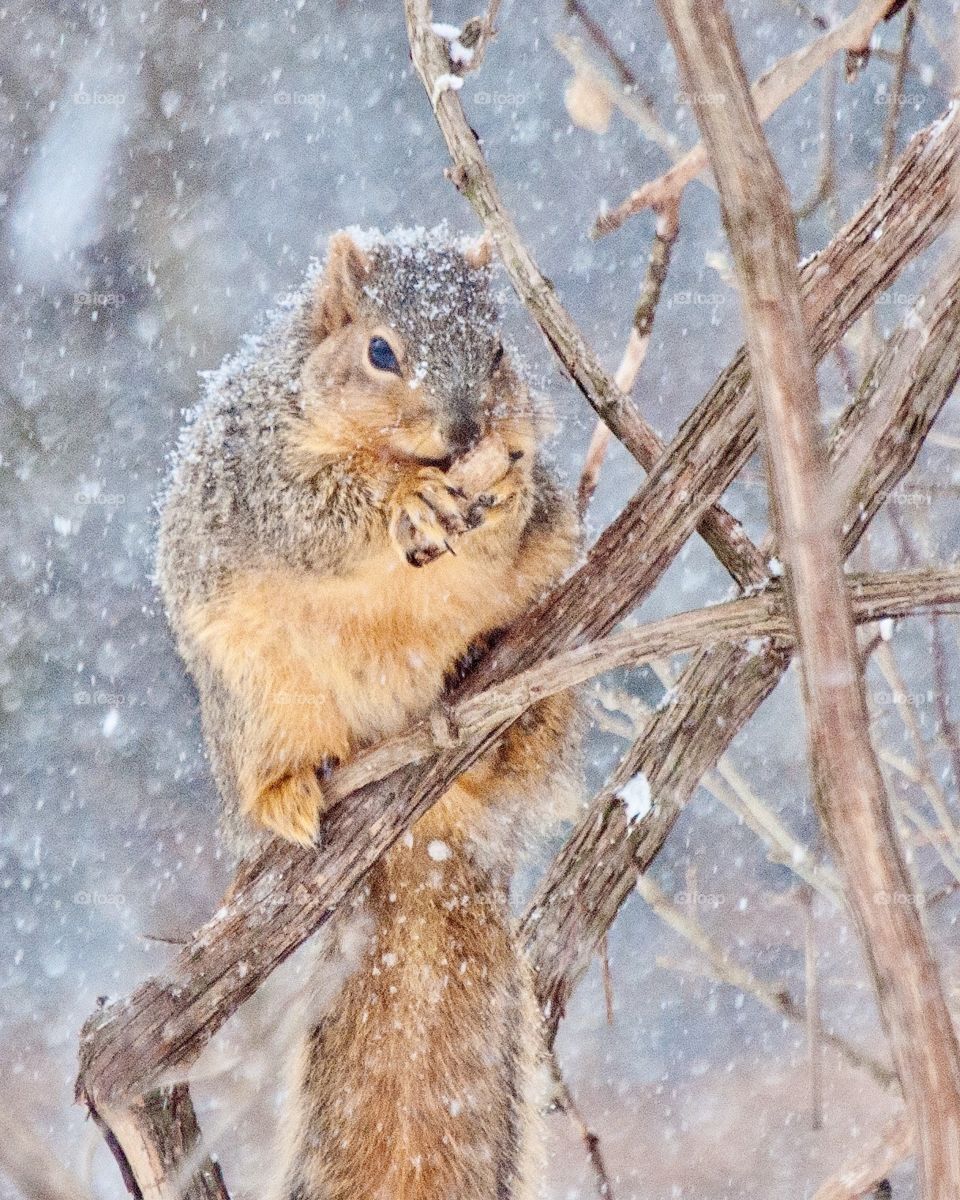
407, 361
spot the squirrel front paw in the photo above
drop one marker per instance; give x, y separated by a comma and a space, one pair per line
426, 512
291, 807
492, 477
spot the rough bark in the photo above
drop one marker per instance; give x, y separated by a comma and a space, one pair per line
720, 689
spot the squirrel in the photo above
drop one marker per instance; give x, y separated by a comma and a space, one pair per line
357, 505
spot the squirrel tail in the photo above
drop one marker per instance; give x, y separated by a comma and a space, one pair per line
418, 1084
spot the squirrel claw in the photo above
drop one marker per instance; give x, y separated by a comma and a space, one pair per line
427, 514
419, 556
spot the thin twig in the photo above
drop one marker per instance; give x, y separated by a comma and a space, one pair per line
591, 1143
769, 92
598, 36
812, 1002
892, 123
823, 189
607, 977
775, 997
635, 352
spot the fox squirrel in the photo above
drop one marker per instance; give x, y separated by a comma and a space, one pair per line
358, 504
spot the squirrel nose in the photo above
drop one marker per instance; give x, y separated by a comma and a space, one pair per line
462, 435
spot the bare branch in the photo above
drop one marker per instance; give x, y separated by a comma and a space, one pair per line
774, 997
668, 227
720, 689
156, 1143
849, 788
591, 1143
896, 93
870, 1166
774, 87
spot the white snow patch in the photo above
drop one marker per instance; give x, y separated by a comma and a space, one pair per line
636, 798
439, 851
886, 629
460, 54
110, 722
776, 567
445, 83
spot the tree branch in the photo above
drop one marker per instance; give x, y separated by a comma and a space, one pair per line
848, 786
772, 89
720, 689
774, 997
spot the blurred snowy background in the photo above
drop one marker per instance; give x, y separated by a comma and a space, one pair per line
167, 169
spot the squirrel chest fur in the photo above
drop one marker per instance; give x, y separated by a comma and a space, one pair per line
358, 504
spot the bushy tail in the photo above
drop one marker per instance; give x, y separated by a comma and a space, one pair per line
417, 1084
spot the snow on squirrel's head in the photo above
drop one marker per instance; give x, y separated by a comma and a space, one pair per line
405, 358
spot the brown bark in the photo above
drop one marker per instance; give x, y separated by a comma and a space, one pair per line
156, 1144
848, 787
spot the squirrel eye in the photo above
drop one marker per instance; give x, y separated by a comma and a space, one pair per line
497, 357
381, 355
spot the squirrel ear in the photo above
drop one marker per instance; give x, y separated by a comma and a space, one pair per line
480, 253
339, 291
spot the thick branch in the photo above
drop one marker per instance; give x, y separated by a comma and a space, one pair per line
721, 689
157, 1146
761, 615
